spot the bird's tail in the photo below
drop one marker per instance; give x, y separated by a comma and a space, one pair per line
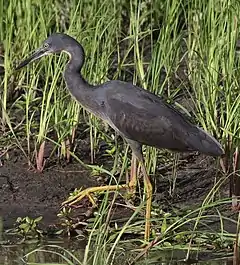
206, 144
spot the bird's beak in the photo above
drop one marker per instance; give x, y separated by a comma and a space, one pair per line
36, 55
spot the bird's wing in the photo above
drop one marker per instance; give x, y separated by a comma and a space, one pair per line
142, 116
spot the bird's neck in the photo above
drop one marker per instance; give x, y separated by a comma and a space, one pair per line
72, 75
76, 84
80, 89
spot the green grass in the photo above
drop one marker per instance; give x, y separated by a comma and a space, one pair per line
176, 49
106, 243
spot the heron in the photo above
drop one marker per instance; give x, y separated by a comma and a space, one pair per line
137, 115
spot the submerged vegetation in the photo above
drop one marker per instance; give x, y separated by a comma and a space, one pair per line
184, 51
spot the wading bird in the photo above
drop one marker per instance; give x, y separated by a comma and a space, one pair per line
138, 115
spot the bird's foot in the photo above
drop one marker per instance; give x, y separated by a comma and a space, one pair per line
131, 193
89, 193
79, 196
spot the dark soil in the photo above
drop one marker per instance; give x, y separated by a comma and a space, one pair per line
27, 193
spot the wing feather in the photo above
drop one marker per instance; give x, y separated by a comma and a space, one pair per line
146, 118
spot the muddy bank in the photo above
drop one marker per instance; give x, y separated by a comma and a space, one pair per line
27, 193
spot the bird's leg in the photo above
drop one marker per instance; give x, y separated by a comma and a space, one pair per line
133, 175
148, 186
137, 152
89, 191
131, 186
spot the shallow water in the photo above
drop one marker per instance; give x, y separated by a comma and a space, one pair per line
12, 255
16, 254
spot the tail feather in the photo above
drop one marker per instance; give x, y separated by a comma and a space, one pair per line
206, 144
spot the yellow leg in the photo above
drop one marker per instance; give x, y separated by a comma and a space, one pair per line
133, 175
148, 187
131, 186
88, 193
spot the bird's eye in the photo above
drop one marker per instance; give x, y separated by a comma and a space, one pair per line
45, 45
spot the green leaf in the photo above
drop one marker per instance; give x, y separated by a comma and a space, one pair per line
23, 226
164, 225
38, 219
59, 232
28, 220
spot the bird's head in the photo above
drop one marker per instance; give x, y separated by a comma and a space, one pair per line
55, 43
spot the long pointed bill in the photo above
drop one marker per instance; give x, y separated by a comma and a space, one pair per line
36, 55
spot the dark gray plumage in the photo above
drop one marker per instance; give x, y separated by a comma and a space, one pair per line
136, 114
